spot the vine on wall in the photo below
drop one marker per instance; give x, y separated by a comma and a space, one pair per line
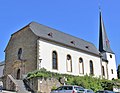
86, 81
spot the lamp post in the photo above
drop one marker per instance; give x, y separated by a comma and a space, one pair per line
40, 63
40, 85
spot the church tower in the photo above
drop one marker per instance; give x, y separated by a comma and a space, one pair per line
107, 54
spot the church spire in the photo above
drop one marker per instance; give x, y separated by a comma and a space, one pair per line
104, 45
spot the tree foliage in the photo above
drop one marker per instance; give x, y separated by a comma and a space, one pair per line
86, 81
118, 71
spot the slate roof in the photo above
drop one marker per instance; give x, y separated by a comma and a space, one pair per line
104, 44
62, 38
2, 63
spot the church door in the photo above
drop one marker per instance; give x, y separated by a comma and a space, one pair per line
18, 74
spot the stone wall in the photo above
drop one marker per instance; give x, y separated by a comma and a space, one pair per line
44, 85
26, 40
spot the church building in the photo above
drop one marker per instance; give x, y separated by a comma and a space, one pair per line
37, 46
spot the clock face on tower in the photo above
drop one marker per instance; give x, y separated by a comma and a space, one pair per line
107, 43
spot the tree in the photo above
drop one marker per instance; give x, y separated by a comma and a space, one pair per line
118, 71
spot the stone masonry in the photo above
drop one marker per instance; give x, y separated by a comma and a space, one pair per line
26, 40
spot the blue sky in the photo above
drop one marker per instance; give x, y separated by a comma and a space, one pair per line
79, 18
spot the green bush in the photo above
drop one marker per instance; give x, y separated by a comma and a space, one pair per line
86, 81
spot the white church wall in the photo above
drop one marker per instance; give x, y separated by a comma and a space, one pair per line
45, 53
105, 64
111, 66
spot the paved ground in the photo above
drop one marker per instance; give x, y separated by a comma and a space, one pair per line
7, 92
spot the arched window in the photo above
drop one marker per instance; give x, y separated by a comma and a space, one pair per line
103, 71
81, 66
91, 68
69, 63
112, 71
19, 53
54, 60
110, 56
18, 74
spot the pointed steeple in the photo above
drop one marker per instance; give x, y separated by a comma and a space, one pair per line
104, 45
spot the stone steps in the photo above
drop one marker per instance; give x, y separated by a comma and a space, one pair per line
21, 87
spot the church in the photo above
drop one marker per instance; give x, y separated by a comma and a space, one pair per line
37, 46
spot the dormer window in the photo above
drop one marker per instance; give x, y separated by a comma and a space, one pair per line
87, 47
50, 34
72, 42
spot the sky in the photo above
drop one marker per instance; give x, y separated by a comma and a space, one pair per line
79, 18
